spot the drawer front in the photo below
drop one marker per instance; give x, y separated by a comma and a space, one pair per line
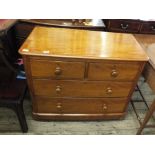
148, 28
57, 69
81, 106
124, 26
113, 71
59, 88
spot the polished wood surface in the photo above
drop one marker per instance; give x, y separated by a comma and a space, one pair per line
58, 69
68, 23
148, 27
56, 88
25, 26
148, 44
56, 42
136, 26
81, 75
117, 71
118, 25
80, 105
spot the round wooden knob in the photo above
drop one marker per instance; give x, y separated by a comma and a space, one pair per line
58, 89
105, 107
114, 73
109, 90
58, 71
59, 106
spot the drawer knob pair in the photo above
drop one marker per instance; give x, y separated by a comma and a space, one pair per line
114, 73
105, 107
109, 90
58, 71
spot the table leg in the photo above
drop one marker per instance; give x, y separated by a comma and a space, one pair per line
146, 118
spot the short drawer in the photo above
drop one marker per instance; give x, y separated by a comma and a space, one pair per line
59, 88
81, 106
148, 28
123, 26
57, 69
113, 71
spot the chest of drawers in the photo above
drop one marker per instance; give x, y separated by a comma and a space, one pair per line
81, 75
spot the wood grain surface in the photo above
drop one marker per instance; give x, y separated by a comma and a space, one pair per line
61, 42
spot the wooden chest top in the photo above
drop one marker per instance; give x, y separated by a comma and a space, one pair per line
148, 44
61, 42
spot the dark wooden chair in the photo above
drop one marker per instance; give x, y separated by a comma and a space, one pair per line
12, 89
12, 92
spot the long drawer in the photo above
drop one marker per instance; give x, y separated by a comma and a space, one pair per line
68, 88
113, 71
81, 106
57, 69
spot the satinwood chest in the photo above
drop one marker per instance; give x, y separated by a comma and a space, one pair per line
79, 74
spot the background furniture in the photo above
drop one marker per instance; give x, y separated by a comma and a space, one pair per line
7, 42
12, 90
148, 44
123, 25
81, 75
130, 26
7, 37
25, 26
